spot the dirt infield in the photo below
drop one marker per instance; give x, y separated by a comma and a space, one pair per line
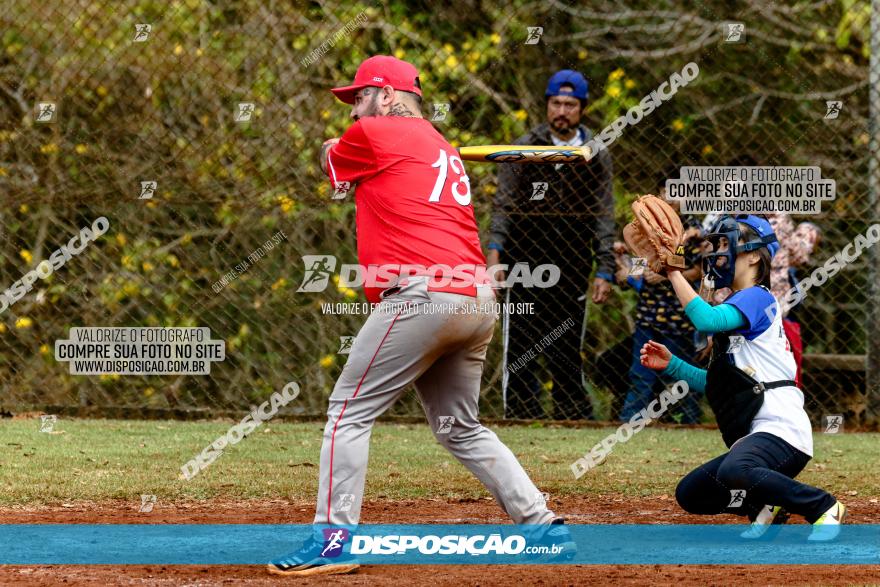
584, 510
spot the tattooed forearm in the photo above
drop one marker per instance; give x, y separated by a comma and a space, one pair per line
325, 148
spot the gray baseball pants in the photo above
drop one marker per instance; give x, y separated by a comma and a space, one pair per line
437, 341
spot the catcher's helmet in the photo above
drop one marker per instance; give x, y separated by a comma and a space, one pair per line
721, 265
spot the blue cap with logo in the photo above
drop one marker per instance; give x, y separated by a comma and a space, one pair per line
567, 77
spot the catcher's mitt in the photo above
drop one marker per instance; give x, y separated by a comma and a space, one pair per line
655, 234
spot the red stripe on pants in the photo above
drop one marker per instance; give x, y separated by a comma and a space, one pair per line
342, 411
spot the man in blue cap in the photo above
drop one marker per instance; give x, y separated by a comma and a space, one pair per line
560, 215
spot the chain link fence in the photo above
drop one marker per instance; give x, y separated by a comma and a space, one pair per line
194, 128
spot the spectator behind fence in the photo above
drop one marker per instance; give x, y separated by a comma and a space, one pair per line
659, 318
561, 215
796, 245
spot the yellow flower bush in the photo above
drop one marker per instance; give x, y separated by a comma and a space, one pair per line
24, 323
285, 202
346, 291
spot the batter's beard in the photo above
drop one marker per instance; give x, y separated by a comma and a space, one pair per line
373, 110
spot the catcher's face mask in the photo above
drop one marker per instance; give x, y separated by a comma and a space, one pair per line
719, 263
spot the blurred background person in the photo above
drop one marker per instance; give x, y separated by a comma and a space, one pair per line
561, 215
796, 246
659, 318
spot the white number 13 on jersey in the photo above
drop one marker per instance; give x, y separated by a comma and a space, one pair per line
444, 162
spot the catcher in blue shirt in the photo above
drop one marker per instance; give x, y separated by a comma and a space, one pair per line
750, 387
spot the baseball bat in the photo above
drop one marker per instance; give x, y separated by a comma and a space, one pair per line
526, 154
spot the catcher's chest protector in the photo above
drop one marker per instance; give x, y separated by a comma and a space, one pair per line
734, 396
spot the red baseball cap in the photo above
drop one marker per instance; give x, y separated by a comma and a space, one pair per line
380, 71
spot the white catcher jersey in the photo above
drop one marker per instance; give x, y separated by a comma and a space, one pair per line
762, 350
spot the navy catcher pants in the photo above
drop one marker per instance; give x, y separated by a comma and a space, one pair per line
759, 470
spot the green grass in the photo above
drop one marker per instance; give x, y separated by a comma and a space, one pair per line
98, 460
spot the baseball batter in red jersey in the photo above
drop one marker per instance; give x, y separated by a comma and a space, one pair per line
413, 208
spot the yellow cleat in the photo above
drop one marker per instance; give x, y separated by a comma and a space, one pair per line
828, 526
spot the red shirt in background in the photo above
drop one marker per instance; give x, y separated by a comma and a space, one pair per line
413, 197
